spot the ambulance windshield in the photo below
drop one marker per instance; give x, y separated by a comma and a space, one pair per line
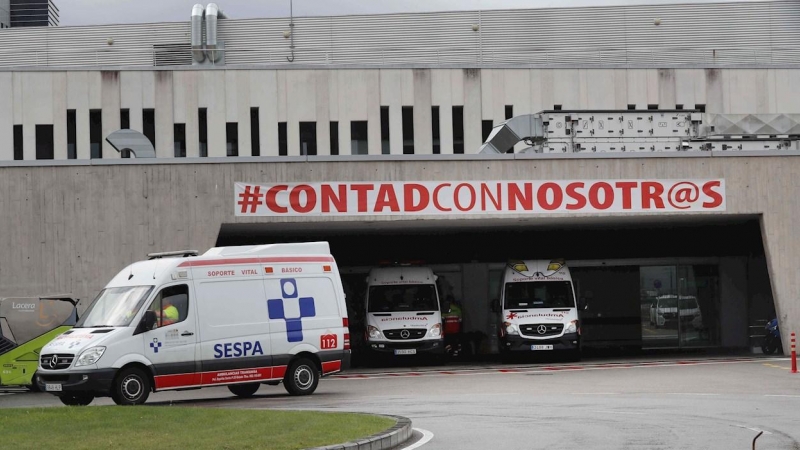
115, 307
539, 294
407, 297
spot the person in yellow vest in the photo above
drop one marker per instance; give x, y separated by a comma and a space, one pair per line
169, 313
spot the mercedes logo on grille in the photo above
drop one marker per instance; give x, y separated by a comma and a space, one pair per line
541, 329
54, 361
405, 334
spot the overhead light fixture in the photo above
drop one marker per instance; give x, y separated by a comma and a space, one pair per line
475, 27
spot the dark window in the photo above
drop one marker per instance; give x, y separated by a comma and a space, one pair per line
125, 124
202, 115
96, 133
458, 129
408, 130
72, 145
486, 129
180, 140
18, 155
385, 146
44, 142
701, 108
509, 111
125, 119
358, 138
334, 138
283, 140
631, 107
437, 148
652, 106
232, 139
557, 107
149, 125
255, 133
538, 294
679, 106
308, 138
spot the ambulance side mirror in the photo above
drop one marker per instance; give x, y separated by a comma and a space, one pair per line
148, 322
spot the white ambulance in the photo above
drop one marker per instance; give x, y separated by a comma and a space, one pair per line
537, 309
403, 311
234, 316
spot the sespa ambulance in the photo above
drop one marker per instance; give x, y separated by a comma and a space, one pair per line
537, 310
403, 312
234, 316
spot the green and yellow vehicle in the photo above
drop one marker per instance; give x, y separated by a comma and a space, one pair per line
26, 325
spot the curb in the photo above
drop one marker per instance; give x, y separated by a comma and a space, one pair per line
387, 439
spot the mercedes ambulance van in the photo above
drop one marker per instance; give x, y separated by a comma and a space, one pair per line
234, 316
403, 311
537, 310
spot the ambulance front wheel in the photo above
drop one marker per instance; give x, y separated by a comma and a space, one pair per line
131, 387
302, 377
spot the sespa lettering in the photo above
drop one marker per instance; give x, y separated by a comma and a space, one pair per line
237, 349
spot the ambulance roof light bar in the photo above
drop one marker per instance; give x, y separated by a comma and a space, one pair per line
179, 253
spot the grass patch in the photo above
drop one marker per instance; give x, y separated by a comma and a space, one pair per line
149, 427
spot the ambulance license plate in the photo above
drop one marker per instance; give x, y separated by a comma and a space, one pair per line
52, 387
541, 347
410, 351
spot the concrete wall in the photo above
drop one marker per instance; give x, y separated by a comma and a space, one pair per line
71, 228
346, 95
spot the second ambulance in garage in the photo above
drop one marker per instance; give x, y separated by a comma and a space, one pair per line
403, 311
235, 316
537, 309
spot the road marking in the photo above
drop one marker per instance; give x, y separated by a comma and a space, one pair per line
782, 395
776, 367
620, 412
426, 437
757, 430
595, 393
682, 393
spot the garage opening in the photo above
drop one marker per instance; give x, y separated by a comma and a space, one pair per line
698, 282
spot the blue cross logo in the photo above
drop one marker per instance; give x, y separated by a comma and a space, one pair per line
155, 345
294, 326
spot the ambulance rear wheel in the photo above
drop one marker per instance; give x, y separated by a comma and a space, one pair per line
131, 387
302, 377
78, 399
244, 390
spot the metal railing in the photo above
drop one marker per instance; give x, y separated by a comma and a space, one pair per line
477, 55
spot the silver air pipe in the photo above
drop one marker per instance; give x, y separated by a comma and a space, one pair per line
197, 33
212, 14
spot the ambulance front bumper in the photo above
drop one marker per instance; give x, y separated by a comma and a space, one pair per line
435, 346
515, 343
95, 381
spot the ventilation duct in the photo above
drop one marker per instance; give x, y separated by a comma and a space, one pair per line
527, 127
205, 47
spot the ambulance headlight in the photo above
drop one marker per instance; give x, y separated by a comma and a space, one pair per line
90, 356
511, 328
572, 327
436, 330
373, 332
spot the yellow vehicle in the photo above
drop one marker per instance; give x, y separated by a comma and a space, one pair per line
26, 325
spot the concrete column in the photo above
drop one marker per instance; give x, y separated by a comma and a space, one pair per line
423, 138
733, 302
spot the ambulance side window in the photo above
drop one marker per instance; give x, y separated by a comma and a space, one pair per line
171, 305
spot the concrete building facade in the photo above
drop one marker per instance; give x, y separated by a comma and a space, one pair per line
340, 103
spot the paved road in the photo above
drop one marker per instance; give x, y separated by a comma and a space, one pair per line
627, 404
